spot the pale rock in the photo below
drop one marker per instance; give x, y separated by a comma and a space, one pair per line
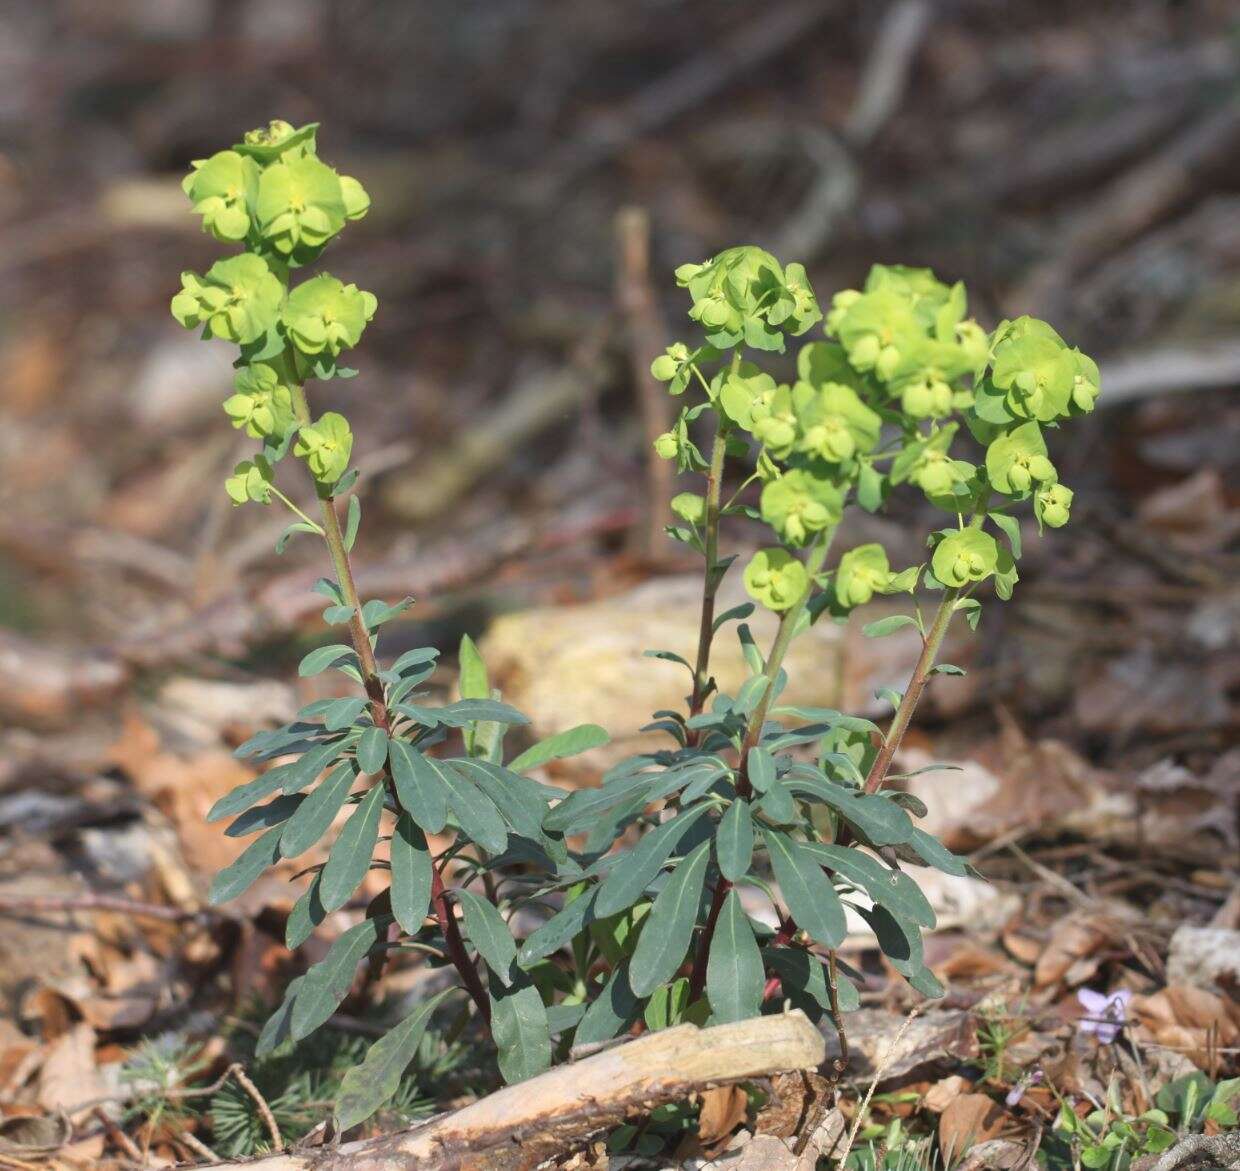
1206, 957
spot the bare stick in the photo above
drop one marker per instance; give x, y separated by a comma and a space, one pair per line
260, 1104
38, 905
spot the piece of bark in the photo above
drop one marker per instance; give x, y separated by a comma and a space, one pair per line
521, 1126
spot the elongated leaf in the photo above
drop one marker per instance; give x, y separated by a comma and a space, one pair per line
419, 785
488, 932
808, 893
520, 1030
612, 1011
889, 888
307, 913
320, 659
244, 872
516, 797
303, 773
932, 852
326, 984
372, 750
583, 807
475, 813
734, 973
352, 520
803, 980
464, 711
562, 1017
901, 943
246, 796
761, 769
879, 820
633, 872
734, 841
342, 712
277, 1029
350, 856
275, 812
316, 813
411, 874
881, 627
567, 743
563, 926
369, 1085
777, 804
668, 928
417, 657
473, 676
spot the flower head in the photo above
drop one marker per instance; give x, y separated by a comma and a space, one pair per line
799, 504
326, 445
776, 578
877, 330
1035, 368
300, 204
835, 423
1016, 461
862, 573
965, 555
1105, 1013
223, 190
237, 299
251, 480
1052, 504
325, 314
262, 404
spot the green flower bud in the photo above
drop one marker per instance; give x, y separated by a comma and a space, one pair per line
1036, 370
974, 342
798, 505
1052, 504
927, 397
674, 366
877, 329
278, 139
835, 423
325, 445
965, 555
937, 474
251, 480
238, 299
776, 578
667, 446
262, 404
223, 190
1017, 460
862, 573
356, 198
1085, 383
840, 304
689, 506
325, 314
300, 204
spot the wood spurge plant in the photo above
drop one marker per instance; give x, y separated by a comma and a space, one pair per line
761, 822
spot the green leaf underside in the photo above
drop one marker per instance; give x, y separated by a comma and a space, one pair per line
520, 1030
734, 841
808, 893
889, 888
668, 929
369, 1085
350, 856
239, 876
327, 983
568, 743
411, 874
488, 932
307, 913
734, 972
475, 813
316, 813
559, 929
633, 872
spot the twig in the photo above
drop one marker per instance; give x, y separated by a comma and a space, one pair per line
878, 1077
196, 1145
260, 1103
647, 337
118, 1136
33, 904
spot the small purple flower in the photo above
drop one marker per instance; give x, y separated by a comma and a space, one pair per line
1105, 1013
1017, 1092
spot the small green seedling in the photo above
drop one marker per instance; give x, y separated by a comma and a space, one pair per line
752, 799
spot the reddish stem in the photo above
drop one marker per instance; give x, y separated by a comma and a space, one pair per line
456, 945
697, 980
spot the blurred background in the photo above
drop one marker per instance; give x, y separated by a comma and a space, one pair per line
537, 170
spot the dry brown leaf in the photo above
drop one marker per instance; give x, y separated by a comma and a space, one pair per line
793, 1097
1020, 946
1190, 1020
723, 1109
972, 961
969, 1119
944, 1092
70, 1077
1072, 948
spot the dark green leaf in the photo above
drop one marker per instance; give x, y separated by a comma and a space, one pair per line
889, 888
475, 813
304, 772
420, 785
323, 657
372, 750
635, 870
418, 657
777, 804
803, 980
411, 874
581, 808
808, 893
563, 926
316, 813
342, 712
567, 743
878, 819
613, 1010
518, 799
369, 1085
739, 613
277, 1029
307, 913
246, 796
933, 853
244, 872
275, 812
465, 711
668, 928
327, 983
734, 974
734, 840
488, 932
761, 769
520, 1030
350, 857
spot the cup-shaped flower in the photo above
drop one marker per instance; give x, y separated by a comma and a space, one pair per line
747, 394
261, 404
223, 190
689, 506
794, 307
1017, 460
862, 573
965, 555
798, 505
323, 314
251, 480
774, 421
300, 204
877, 329
667, 445
1086, 383
1035, 369
835, 424
237, 299
920, 289
925, 376
356, 198
325, 445
776, 578
1052, 504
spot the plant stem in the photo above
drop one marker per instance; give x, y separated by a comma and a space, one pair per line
783, 640
456, 946
932, 641
697, 979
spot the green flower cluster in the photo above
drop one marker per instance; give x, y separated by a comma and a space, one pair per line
273, 194
903, 381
